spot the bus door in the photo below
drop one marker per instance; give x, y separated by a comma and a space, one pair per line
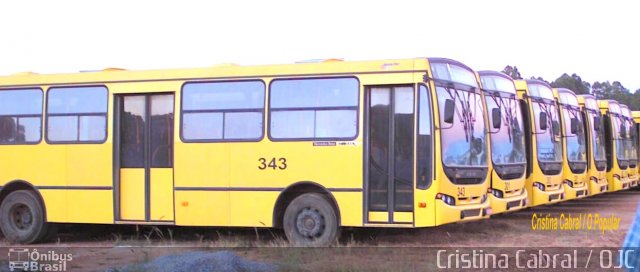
389, 154
144, 157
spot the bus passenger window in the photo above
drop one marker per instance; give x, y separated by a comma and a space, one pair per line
77, 114
219, 111
21, 116
310, 109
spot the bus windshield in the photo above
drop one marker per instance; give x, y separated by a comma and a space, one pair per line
630, 140
597, 136
463, 141
507, 141
575, 141
618, 120
549, 148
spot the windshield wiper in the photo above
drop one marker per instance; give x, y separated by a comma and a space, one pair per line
546, 108
509, 118
466, 116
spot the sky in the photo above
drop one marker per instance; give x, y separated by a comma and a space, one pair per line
598, 40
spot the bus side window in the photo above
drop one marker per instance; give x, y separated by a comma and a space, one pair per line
425, 140
20, 116
77, 114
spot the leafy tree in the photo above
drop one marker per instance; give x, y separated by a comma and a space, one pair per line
616, 91
573, 82
512, 72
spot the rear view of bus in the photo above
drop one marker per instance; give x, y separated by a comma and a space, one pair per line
575, 144
461, 167
596, 156
632, 146
615, 144
506, 132
543, 142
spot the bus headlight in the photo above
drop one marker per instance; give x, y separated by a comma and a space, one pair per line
495, 192
449, 200
539, 186
568, 182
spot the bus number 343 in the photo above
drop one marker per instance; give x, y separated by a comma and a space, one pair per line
274, 163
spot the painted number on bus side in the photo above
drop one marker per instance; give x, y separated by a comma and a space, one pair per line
460, 191
273, 163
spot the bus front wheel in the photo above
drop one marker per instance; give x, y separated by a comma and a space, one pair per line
310, 220
22, 218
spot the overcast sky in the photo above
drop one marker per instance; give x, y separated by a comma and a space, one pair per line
597, 40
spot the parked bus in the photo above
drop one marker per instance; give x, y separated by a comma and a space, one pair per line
615, 146
306, 147
507, 142
596, 155
543, 142
632, 146
574, 141
636, 139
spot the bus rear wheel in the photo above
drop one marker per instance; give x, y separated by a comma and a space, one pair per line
310, 220
22, 218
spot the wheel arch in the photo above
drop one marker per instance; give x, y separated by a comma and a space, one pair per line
296, 189
18, 184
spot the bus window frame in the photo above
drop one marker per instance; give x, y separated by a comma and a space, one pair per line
432, 130
358, 109
99, 114
222, 140
42, 114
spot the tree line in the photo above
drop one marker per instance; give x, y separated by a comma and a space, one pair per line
601, 90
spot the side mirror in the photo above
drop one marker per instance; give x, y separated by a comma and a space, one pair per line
555, 127
596, 123
543, 121
449, 110
496, 117
623, 131
574, 125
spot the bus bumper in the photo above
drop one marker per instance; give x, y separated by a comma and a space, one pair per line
617, 183
540, 197
575, 192
598, 186
633, 180
448, 214
514, 203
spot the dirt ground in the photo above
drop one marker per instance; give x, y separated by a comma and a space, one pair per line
99, 247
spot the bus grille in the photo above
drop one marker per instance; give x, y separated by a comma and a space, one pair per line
468, 213
513, 204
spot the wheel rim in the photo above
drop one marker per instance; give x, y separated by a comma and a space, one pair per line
310, 223
21, 217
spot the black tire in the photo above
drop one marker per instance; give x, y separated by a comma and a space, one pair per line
22, 218
310, 220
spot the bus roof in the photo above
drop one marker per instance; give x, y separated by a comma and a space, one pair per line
526, 85
565, 96
588, 101
507, 85
330, 68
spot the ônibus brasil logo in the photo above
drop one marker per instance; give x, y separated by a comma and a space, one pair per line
23, 259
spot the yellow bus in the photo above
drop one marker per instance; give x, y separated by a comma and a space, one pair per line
635, 137
574, 141
615, 145
544, 143
597, 160
632, 146
306, 147
507, 142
